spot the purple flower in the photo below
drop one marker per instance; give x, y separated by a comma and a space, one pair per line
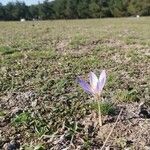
96, 84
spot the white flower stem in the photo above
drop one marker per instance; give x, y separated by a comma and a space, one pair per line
99, 113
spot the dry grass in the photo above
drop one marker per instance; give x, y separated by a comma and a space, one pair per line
40, 101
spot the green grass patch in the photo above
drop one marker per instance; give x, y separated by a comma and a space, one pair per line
22, 119
77, 40
106, 108
127, 95
7, 50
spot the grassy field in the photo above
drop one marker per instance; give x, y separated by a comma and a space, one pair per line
42, 105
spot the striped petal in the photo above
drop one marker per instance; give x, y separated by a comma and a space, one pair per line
86, 87
93, 81
101, 81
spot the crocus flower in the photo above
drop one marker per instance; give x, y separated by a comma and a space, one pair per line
95, 85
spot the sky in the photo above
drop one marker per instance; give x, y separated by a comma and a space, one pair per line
28, 2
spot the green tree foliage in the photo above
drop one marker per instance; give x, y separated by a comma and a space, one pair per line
34, 12
20, 10
83, 9
105, 8
71, 9
60, 8
94, 9
46, 10
9, 11
15, 11
74, 9
138, 7
2, 12
119, 7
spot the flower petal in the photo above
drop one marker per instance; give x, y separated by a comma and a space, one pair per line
85, 86
101, 81
93, 81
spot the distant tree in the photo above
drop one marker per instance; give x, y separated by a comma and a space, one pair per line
20, 10
2, 12
16, 11
34, 11
71, 9
105, 8
46, 10
60, 8
94, 9
8, 11
105, 12
146, 8
119, 7
138, 7
83, 9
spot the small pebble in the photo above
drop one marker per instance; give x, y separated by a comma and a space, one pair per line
13, 145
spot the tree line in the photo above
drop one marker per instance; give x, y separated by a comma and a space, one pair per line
74, 9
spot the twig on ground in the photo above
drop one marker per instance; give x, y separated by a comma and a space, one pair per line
112, 129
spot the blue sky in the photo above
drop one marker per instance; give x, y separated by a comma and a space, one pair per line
28, 2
